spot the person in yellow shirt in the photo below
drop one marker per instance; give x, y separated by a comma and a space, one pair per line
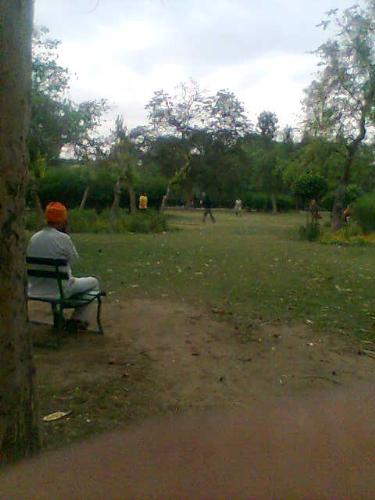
143, 200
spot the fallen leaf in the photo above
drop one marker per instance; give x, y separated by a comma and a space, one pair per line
57, 415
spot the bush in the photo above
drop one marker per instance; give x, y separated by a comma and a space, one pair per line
90, 221
310, 186
364, 212
285, 202
310, 232
263, 203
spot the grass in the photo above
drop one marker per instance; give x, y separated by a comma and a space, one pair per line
249, 266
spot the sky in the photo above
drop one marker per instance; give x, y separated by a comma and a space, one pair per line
124, 50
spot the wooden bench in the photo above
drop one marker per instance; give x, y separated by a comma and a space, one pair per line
55, 269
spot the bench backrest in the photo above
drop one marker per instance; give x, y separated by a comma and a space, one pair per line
42, 267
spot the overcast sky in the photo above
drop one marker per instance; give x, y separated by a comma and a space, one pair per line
123, 50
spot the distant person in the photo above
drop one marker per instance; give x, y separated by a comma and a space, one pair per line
314, 211
207, 205
143, 201
53, 242
238, 207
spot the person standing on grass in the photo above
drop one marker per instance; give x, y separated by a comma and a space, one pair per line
143, 201
207, 205
54, 243
238, 207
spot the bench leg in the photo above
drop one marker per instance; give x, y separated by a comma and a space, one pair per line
58, 322
98, 315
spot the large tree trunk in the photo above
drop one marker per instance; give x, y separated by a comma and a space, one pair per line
338, 206
116, 196
165, 198
84, 198
18, 410
38, 205
274, 203
132, 203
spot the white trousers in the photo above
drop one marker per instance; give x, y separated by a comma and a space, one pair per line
80, 285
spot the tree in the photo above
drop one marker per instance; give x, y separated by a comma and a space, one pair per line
310, 186
339, 104
18, 405
267, 125
187, 119
269, 173
56, 120
123, 157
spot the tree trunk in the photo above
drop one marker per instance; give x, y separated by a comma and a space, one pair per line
19, 435
132, 203
116, 196
274, 203
84, 198
38, 206
338, 206
165, 198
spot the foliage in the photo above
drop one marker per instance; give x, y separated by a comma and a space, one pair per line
309, 186
364, 212
56, 120
262, 201
267, 124
90, 221
339, 103
310, 232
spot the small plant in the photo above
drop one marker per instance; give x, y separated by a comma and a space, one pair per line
364, 212
310, 232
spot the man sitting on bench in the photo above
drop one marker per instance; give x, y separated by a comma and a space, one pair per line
53, 242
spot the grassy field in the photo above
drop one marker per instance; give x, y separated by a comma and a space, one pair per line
250, 268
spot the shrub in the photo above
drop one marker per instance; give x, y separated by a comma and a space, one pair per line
364, 212
90, 221
285, 202
309, 186
310, 232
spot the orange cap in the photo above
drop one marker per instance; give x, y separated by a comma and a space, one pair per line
56, 212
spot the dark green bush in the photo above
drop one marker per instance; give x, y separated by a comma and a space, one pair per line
364, 212
90, 221
310, 232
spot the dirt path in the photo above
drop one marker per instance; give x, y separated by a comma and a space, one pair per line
162, 357
199, 361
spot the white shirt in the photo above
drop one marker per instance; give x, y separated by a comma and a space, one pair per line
53, 244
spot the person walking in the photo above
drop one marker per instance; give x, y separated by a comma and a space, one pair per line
207, 205
238, 207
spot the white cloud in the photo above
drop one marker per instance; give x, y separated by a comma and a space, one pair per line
123, 50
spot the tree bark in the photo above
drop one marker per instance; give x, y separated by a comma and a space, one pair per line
165, 198
132, 203
19, 435
274, 203
116, 196
38, 206
84, 198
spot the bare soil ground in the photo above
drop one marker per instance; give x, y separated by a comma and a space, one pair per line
163, 357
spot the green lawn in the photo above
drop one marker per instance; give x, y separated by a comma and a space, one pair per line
251, 267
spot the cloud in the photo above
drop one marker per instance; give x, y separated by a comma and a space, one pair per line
123, 50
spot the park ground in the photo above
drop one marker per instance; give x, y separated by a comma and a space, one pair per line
209, 316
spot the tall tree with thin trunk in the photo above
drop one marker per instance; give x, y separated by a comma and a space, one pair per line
18, 412
340, 103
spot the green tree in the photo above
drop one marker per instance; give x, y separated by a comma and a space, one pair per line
124, 159
19, 434
339, 104
56, 120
